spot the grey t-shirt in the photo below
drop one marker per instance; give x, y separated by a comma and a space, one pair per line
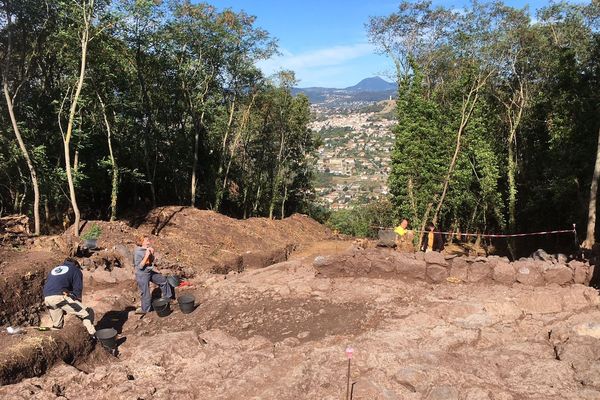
138, 257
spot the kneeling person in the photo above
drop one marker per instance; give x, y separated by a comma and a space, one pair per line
404, 237
62, 294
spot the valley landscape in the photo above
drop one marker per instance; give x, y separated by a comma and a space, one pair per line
355, 126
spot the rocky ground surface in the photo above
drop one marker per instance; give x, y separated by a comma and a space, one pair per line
422, 327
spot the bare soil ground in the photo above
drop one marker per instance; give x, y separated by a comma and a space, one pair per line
22, 274
189, 242
279, 332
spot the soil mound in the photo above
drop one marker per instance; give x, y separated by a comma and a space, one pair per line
209, 241
190, 240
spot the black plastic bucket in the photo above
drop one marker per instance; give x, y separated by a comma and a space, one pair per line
107, 337
186, 303
161, 306
173, 280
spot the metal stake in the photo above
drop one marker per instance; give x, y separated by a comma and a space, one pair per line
349, 352
348, 381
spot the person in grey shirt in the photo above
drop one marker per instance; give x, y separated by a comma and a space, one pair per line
145, 272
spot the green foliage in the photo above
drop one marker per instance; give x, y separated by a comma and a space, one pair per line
317, 212
363, 221
93, 233
522, 95
184, 99
335, 131
419, 155
172, 76
373, 108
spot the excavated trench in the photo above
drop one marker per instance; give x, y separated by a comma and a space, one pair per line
222, 246
31, 352
112, 292
21, 288
292, 309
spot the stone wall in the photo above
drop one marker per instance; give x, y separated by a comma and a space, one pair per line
437, 268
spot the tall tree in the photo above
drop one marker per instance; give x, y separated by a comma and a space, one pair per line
18, 70
419, 149
114, 192
589, 241
514, 45
472, 42
85, 11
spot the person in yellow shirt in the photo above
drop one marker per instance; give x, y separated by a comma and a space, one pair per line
404, 236
402, 228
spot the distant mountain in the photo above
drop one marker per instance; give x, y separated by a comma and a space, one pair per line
375, 84
368, 90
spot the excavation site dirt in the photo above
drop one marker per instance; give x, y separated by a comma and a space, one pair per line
276, 304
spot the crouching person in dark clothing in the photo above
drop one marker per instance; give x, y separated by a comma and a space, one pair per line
145, 273
62, 294
432, 240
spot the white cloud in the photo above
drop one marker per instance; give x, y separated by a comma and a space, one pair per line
331, 76
320, 58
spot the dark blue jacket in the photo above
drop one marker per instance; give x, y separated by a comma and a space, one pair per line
67, 277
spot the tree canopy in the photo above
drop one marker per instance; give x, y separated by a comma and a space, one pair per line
139, 103
498, 114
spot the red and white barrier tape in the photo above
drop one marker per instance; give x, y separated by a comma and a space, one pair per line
499, 235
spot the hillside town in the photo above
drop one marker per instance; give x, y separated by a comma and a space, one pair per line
354, 161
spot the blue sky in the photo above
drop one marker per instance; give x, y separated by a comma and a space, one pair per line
325, 42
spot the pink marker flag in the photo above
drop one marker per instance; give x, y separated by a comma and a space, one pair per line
349, 352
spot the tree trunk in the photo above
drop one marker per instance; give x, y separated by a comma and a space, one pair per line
257, 199
114, 193
194, 182
283, 201
149, 171
512, 196
272, 207
198, 126
32, 172
13, 120
245, 204
518, 101
277, 179
85, 36
148, 122
591, 223
423, 225
72, 194
47, 214
233, 146
466, 112
220, 189
411, 198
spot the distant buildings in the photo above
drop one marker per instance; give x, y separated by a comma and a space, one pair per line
354, 161
336, 166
